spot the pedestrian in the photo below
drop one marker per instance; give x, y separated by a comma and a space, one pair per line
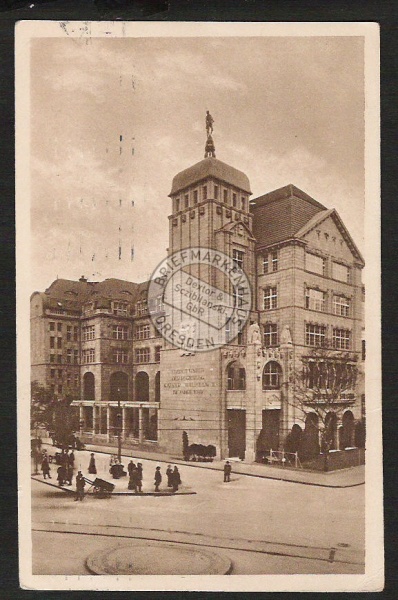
158, 479
227, 472
92, 469
139, 477
130, 467
169, 473
131, 485
136, 480
45, 467
80, 483
175, 479
71, 459
69, 474
61, 475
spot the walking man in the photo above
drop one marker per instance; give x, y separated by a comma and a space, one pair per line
80, 483
227, 472
169, 473
158, 479
175, 479
45, 467
139, 477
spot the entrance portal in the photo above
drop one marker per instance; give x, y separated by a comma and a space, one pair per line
236, 433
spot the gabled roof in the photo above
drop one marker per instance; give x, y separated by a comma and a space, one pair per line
322, 216
232, 225
210, 167
278, 216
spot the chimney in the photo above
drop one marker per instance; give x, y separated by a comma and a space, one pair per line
83, 279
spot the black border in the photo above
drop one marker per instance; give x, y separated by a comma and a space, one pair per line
383, 12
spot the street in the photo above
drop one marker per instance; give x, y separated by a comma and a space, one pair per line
263, 526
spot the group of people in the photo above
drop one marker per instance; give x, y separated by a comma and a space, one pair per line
65, 469
173, 478
135, 476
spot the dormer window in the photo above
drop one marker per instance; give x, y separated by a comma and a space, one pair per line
177, 204
120, 308
195, 197
234, 200
215, 192
225, 195
186, 199
243, 203
205, 192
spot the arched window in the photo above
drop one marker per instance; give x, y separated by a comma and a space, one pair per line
88, 386
272, 376
157, 387
142, 387
236, 377
347, 430
119, 386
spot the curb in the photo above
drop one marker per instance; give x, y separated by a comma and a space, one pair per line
156, 494
219, 469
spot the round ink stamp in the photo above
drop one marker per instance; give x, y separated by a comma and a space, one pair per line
199, 299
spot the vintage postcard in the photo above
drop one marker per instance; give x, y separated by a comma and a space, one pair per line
198, 247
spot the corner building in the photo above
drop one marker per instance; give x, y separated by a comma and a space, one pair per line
305, 273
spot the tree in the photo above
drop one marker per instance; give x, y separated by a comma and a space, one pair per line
55, 415
322, 390
185, 445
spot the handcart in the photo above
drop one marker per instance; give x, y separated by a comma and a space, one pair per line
101, 488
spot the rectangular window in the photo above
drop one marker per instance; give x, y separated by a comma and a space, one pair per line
195, 197
340, 272
270, 334
60, 389
341, 339
274, 260
52, 358
119, 355
59, 327
76, 356
142, 355
215, 192
238, 295
88, 332
225, 195
315, 335
119, 332
265, 264
205, 192
157, 353
314, 263
120, 308
59, 359
68, 380
142, 332
177, 204
270, 298
69, 333
59, 343
315, 299
186, 201
341, 306
52, 373
363, 349
52, 342
60, 373
69, 356
243, 203
141, 308
234, 200
88, 355
75, 334
237, 257
52, 326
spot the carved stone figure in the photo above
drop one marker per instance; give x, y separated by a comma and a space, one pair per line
209, 123
254, 334
286, 336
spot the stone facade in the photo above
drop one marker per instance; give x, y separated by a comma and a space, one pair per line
305, 273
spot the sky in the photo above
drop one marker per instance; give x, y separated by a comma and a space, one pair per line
113, 120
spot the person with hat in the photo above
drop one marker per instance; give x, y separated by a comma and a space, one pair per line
80, 483
92, 469
158, 479
227, 472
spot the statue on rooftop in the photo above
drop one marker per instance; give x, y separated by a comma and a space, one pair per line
209, 123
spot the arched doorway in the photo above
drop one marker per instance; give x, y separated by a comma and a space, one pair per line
119, 386
157, 387
88, 386
347, 430
309, 447
142, 387
330, 437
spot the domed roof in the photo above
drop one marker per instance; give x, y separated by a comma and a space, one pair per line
210, 167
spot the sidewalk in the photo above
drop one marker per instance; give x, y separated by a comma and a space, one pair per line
343, 478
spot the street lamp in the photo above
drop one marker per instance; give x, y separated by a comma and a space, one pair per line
119, 428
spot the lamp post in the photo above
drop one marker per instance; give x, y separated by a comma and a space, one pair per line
119, 428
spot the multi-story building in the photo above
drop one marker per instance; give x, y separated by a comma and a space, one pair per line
97, 342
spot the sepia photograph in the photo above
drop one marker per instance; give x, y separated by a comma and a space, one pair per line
198, 294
